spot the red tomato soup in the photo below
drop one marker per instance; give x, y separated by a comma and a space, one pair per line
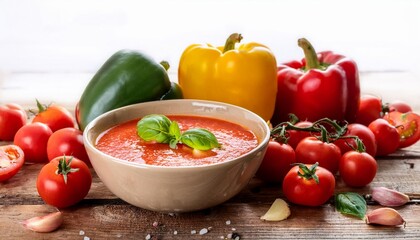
123, 142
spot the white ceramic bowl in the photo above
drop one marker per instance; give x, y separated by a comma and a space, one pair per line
176, 189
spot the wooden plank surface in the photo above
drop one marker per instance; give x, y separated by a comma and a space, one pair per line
104, 216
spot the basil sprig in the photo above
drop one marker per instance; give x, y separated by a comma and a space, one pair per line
159, 128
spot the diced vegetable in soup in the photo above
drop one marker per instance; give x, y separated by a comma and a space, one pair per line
122, 142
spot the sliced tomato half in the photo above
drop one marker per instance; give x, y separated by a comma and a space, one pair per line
408, 126
11, 161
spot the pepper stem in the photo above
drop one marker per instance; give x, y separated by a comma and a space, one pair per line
231, 41
310, 54
165, 64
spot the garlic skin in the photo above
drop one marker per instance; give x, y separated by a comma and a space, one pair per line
278, 211
389, 197
385, 216
44, 224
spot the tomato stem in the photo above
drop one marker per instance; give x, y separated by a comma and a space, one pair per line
64, 168
41, 107
231, 41
308, 173
279, 132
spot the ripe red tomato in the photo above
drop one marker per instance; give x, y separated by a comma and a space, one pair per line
312, 150
386, 135
296, 136
12, 118
277, 161
55, 116
370, 109
64, 181
11, 161
301, 187
33, 138
361, 131
399, 106
357, 169
408, 127
68, 142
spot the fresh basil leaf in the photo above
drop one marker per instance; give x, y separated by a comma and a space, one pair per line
200, 139
174, 130
351, 203
154, 127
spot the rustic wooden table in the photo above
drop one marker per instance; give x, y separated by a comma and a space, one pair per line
104, 216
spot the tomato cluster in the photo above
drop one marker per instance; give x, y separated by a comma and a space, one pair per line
50, 138
347, 150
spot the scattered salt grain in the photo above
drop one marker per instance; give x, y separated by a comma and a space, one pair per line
193, 231
148, 237
81, 233
229, 236
228, 222
204, 231
175, 232
233, 229
86, 238
155, 224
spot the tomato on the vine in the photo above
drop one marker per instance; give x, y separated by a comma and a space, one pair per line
33, 138
399, 106
308, 185
64, 181
69, 142
408, 127
277, 161
386, 135
364, 134
295, 136
370, 109
55, 116
357, 169
11, 161
12, 118
312, 150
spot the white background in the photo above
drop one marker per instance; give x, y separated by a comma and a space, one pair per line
79, 35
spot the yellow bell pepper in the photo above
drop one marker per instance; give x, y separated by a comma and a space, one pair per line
245, 76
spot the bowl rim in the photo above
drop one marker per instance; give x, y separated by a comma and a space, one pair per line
258, 148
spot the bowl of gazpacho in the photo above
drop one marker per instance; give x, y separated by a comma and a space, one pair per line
176, 155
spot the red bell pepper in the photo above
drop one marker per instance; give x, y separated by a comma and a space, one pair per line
321, 85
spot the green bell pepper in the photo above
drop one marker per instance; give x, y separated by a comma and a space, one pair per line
127, 77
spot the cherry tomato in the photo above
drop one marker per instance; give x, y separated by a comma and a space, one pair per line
296, 136
64, 181
33, 138
55, 116
408, 127
386, 135
361, 131
357, 169
312, 150
301, 187
68, 142
11, 161
370, 109
399, 106
12, 118
277, 161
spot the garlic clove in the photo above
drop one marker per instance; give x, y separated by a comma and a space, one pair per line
278, 211
44, 224
385, 216
389, 197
